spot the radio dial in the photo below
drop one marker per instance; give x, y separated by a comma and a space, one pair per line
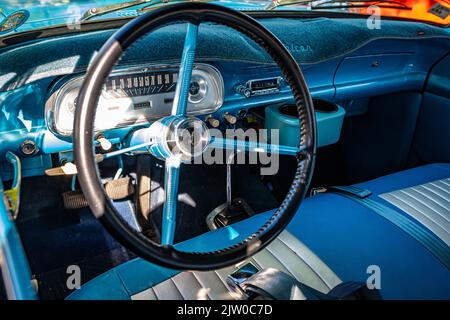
259, 87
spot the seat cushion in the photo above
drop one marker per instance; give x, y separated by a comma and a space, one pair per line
139, 279
285, 253
407, 178
348, 237
427, 203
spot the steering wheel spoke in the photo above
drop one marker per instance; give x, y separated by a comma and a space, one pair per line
163, 138
184, 77
252, 146
171, 179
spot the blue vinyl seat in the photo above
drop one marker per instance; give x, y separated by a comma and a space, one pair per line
337, 238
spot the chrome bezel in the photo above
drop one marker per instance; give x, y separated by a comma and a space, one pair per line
53, 103
247, 87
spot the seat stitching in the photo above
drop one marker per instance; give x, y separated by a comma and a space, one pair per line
419, 213
201, 284
425, 205
181, 293
123, 283
224, 283
435, 184
437, 201
442, 195
281, 262
434, 192
156, 295
290, 270
306, 262
260, 267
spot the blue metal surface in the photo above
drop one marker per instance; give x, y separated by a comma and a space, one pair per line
15, 161
184, 76
15, 263
22, 112
31, 167
13, 194
171, 177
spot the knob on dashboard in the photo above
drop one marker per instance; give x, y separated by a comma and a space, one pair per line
213, 122
246, 92
104, 143
230, 118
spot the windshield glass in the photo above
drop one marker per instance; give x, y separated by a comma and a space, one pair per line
22, 15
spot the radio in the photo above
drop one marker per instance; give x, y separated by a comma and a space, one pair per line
259, 87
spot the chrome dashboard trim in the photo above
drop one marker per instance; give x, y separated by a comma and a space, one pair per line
55, 97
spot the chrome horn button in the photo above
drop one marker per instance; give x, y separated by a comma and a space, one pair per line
191, 137
184, 137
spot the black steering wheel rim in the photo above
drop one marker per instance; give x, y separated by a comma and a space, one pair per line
88, 174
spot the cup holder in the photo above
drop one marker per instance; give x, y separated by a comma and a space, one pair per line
319, 106
284, 118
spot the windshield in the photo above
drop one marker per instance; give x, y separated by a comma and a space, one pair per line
22, 15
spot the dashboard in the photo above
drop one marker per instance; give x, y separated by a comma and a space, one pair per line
341, 59
135, 96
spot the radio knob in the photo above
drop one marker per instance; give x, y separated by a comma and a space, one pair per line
246, 92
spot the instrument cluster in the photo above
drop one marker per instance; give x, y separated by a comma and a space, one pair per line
136, 95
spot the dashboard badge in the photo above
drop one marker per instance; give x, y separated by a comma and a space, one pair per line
13, 21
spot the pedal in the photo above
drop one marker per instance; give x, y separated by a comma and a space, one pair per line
74, 200
120, 188
115, 189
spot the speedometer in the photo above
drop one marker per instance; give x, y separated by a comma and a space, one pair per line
141, 84
136, 96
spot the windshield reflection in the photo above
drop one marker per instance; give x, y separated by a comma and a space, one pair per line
45, 13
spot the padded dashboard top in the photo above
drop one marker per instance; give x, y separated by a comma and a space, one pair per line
309, 40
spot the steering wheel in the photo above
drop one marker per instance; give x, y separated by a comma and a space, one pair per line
161, 134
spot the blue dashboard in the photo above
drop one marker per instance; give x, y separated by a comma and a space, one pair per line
341, 59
